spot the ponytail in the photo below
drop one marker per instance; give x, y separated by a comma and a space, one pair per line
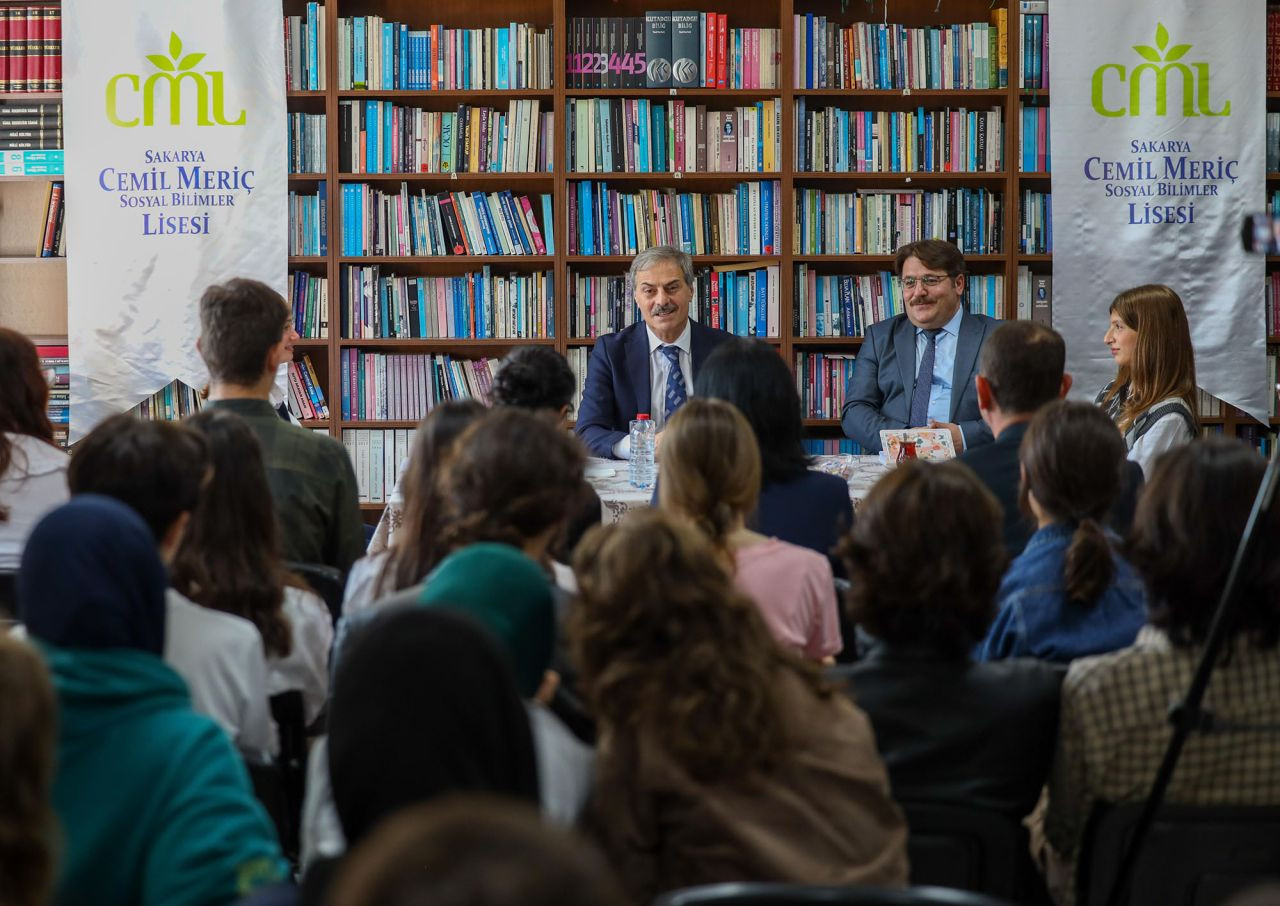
1088, 567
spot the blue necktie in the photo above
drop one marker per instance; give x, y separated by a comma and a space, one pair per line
676, 393
924, 379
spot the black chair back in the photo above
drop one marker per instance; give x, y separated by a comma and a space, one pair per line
812, 895
290, 717
972, 849
8, 595
268, 787
1193, 855
326, 581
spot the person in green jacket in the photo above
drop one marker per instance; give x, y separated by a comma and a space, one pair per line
154, 803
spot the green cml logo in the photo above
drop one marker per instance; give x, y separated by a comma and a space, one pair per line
1163, 62
127, 90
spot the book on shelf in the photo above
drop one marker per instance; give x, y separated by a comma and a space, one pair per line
822, 379
405, 386
1035, 296
1034, 43
378, 456
477, 305
871, 55
307, 140
173, 402
306, 392
31, 163
670, 49
30, 48
831, 446
876, 222
376, 54
56, 366
831, 139
605, 221
1035, 223
308, 223
50, 239
1273, 142
305, 54
1033, 141
309, 299
1273, 50
843, 305
1271, 295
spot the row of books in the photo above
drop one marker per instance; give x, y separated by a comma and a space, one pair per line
51, 241
30, 48
31, 163
28, 126
383, 137
831, 446
1033, 141
306, 392
872, 55
833, 140
1034, 46
308, 223
641, 136
305, 61
843, 305
307, 142
447, 223
309, 301
1273, 51
56, 366
174, 402
671, 49
405, 386
1034, 294
378, 55
605, 221
476, 305
1035, 223
1271, 296
821, 379
376, 455
605, 304
1208, 405
876, 222
1273, 142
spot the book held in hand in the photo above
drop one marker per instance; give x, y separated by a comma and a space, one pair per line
932, 444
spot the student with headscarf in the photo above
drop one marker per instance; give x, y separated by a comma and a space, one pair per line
423, 704
154, 804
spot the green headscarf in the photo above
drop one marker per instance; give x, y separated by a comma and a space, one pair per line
510, 595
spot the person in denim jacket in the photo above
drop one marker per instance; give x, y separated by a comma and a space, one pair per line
1069, 593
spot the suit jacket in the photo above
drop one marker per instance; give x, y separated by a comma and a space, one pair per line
617, 385
879, 393
997, 465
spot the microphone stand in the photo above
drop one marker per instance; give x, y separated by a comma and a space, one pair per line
1188, 715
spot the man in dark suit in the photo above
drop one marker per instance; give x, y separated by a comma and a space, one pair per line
647, 367
1021, 370
916, 369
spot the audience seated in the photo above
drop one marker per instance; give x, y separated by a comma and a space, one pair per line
538, 378
246, 334
229, 561
28, 828
711, 473
424, 704
723, 756
1114, 724
1069, 593
405, 563
32, 470
154, 804
158, 469
474, 851
951, 731
797, 504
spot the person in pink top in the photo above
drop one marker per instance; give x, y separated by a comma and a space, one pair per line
710, 473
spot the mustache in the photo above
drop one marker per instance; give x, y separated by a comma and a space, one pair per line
665, 308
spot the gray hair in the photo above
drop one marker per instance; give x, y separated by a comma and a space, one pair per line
656, 255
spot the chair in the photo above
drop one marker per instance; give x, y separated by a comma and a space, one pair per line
1193, 855
290, 716
326, 581
8, 595
268, 787
972, 849
811, 895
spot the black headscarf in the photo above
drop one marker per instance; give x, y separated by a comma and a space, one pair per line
424, 704
91, 578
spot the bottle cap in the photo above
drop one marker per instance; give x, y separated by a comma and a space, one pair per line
642, 416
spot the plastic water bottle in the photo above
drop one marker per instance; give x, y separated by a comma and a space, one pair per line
640, 467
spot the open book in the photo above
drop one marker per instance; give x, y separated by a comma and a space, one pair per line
933, 444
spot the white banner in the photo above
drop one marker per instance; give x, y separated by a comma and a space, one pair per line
1158, 117
176, 178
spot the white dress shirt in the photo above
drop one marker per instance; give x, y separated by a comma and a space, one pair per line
34, 483
659, 369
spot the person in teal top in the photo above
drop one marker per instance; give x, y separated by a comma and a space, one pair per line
154, 804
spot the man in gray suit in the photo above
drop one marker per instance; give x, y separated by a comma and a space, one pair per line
915, 370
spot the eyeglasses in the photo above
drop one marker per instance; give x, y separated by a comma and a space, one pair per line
929, 280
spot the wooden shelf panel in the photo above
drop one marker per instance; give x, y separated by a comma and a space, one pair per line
30, 95
473, 97
684, 176
591, 341
375, 423
679, 94
33, 178
821, 423
966, 177
698, 259
434, 343
884, 259
518, 181
473, 261
826, 341
950, 95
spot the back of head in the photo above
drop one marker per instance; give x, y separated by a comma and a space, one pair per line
240, 321
1189, 521
1164, 363
28, 713
91, 578
510, 477
751, 376
229, 558
667, 647
507, 593
1072, 456
925, 558
424, 704
710, 466
26, 394
474, 851
1023, 361
937, 254
534, 377
157, 468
